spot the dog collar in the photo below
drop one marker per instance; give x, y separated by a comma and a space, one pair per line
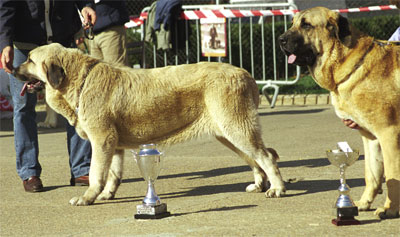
385, 43
90, 67
357, 65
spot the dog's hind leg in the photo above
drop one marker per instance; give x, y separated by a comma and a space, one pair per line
103, 149
373, 172
260, 178
114, 176
248, 144
234, 117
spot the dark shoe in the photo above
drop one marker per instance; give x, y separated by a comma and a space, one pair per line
33, 184
80, 181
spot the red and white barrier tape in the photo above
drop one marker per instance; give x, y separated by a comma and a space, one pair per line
232, 13
368, 9
135, 21
4, 104
225, 13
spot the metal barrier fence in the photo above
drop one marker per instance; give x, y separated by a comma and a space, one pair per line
250, 42
246, 45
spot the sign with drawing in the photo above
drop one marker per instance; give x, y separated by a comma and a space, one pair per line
213, 37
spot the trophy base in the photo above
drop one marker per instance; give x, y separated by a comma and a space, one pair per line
152, 212
345, 216
345, 221
346, 211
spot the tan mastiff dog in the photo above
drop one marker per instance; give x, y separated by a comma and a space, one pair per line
119, 107
363, 76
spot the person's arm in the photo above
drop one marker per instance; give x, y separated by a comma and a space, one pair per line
7, 22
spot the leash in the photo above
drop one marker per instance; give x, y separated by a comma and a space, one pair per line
385, 43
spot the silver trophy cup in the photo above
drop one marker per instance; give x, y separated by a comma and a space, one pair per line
345, 208
149, 161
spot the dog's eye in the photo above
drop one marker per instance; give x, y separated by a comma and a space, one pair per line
306, 25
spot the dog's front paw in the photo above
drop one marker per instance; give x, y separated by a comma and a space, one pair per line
387, 214
275, 192
106, 196
80, 201
363, 205
253, 188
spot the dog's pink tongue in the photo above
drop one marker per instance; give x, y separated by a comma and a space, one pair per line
292, 58
24, 89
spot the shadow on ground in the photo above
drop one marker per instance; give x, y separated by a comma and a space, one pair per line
216, 210
307, 186
291, 112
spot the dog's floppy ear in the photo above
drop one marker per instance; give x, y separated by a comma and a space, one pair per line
340, 29
54, 71
344, 29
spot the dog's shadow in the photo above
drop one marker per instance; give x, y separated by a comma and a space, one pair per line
51, 188
291, 112
309, 163
317, 186
215, 210
200, 174
308, 186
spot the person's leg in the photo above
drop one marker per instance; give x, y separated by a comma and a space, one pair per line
80, 154
113, 45
94, 48
25, 130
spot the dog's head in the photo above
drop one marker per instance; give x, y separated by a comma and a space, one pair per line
42, 66
313, 31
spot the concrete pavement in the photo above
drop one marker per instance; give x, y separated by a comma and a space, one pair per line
202, 183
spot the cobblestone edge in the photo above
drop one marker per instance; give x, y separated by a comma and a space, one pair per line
300, 99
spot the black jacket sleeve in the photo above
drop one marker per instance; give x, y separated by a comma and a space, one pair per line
7, 22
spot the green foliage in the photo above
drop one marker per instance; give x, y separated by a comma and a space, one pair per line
380, 27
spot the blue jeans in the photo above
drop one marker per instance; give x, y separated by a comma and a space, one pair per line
26, 136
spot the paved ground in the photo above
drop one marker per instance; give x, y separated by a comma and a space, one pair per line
203, 184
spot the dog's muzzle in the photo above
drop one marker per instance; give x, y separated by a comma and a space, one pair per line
298, 53
31, 85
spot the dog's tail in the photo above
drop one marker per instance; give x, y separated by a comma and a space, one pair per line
273, 153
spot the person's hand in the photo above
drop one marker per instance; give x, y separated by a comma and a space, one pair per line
7, 58
79, 40
350, 123
89, 16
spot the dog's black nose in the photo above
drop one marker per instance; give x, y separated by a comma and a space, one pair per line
282, 39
